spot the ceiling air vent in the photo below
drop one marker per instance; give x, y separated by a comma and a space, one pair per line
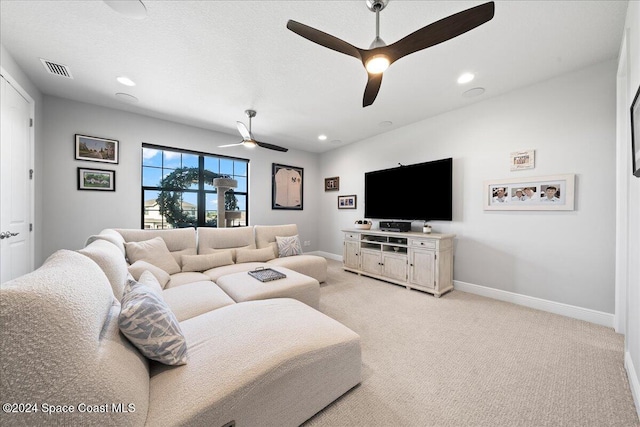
57, 69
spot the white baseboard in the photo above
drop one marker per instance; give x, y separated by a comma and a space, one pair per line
586, 314
327, 255
634, 383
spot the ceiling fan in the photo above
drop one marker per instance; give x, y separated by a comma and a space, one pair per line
379, 56
247, 137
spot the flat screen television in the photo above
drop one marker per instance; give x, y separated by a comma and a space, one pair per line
422, 191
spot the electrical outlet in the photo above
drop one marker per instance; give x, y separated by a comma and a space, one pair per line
307, 243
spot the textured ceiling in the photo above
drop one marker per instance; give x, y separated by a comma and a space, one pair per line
203, 63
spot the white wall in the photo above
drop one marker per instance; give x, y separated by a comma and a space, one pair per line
70, 216
628, 279
566, 257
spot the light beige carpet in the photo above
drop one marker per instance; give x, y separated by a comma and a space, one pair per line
466, 360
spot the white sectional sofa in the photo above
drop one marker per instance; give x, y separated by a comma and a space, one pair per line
269, 362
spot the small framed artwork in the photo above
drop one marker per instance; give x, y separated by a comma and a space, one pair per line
96, 179
332, 184
287, 187
635, 134
542, 193
96, 149
347, 202
522, 160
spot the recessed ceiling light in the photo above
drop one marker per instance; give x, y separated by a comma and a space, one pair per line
124, 80
133, 9
125, 97
322, 137
465, 78
385, 124
476, 91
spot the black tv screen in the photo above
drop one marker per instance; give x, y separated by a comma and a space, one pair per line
421, 191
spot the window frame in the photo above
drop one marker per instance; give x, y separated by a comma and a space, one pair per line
201, 192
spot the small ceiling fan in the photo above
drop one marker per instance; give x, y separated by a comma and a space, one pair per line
247, 137
379, 56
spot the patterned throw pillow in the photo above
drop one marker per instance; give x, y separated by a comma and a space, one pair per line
289, 246
148, 322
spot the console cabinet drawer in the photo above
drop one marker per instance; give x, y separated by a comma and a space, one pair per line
425, 244
351, 236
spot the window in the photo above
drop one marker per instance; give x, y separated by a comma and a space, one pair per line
178, 190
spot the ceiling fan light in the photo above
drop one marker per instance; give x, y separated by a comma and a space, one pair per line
465, 78
377, 64
249, 143
124, 80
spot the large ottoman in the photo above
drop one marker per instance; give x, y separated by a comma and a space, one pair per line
242, 287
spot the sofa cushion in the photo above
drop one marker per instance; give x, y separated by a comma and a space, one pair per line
109, 235
153, 251
261, 363
253, 255
148, 279
137, 268
60, 344
309, 265
207, 261
289, 246
212, 240
242, 287
195, 298
215, 273
266, 235
179, 241
111, 261
148, 322
184, 278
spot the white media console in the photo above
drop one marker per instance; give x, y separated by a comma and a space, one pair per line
415, 260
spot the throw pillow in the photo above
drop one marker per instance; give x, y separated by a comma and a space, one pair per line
206, 262
254, 255
148, 322
137, 268
153, 251
289, 246
148, 279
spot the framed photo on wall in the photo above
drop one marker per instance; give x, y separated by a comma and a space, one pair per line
347, 202
332, 184
542, 193
95, 149
287, 187
96, 179
522, 160
635, 134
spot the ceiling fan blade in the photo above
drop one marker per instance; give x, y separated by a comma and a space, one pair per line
243, 131
324, 39
231, 145
441, 31
371, 91
271, 146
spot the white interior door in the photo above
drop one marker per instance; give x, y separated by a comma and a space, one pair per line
16, 198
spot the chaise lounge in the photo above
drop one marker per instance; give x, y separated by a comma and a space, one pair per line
250, 361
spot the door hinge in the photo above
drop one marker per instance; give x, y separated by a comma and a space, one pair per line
30, 227
30, 173
30, 123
